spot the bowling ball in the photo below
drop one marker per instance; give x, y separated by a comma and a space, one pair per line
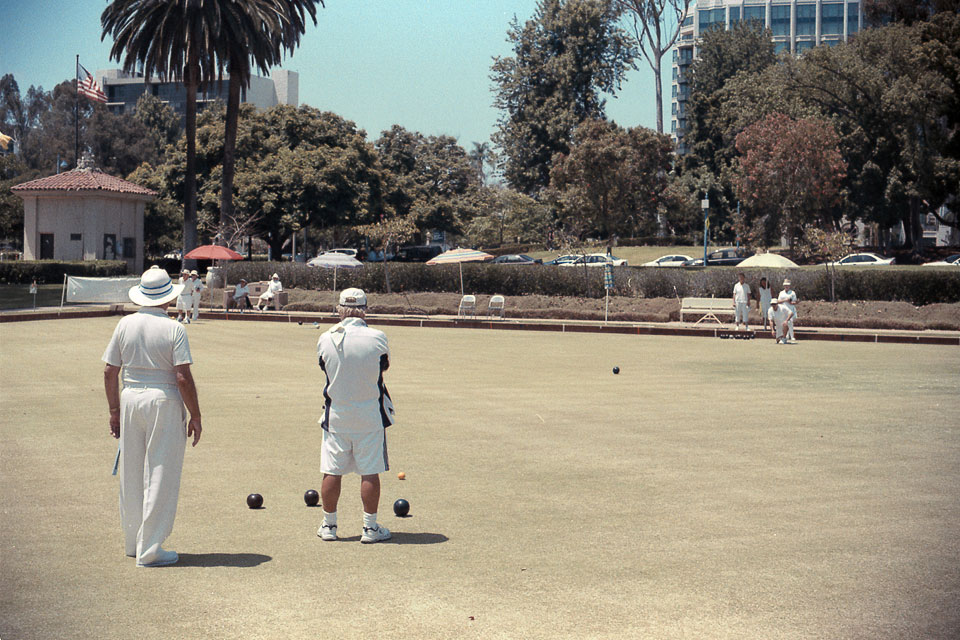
616, 370
401, 507
300, 322
254, 500
312, 498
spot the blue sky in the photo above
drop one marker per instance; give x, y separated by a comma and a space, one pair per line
422, 64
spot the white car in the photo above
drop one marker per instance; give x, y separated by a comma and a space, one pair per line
562, 259
595, 260
946, 262
349, 252
667, 261
861, 260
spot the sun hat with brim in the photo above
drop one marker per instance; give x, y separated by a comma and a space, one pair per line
274, 276
155, 288
786, 283
353, 298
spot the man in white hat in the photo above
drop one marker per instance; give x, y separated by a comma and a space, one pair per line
275, 287
185, 299
241, 296
741, 301
791, 303
148, 416
197, 291
780, 316
357, 411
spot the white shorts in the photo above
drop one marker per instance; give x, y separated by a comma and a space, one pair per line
742, 312
184, 302
364, 453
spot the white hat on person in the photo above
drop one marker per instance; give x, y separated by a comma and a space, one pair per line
353, 298
274, 276
155, 288
786, 283
194, 273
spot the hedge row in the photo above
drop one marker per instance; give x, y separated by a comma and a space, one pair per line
52, 271
917, 286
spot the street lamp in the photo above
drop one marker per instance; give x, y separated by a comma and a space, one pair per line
705, 205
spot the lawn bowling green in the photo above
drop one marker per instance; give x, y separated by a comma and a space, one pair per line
713, 489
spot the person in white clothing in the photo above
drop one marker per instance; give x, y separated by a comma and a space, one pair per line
185, 299
149, 416
741, 302
764, 296
241, 296
356, 413
791, 302
272, 290
779, 316
197, 291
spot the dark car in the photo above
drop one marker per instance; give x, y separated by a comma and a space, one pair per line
721, 258
417, 254
516, 258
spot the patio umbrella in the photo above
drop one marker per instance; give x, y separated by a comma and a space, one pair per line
772, 260
460, 256
335, 261
213, 252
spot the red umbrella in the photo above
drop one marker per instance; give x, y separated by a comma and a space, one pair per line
213, 252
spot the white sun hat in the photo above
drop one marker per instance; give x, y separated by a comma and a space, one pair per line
155, 288
274, 276
353, 298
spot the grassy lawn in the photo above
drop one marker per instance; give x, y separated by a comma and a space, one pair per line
713, 489
17, 296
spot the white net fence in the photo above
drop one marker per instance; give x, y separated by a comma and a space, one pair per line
110, 290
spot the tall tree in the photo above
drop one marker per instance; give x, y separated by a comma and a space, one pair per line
479, 157
565, 58
656, 26
881, 12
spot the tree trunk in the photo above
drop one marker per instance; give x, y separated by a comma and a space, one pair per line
191, 78
229, 148
657, 70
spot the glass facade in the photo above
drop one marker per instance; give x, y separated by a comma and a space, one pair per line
755, 13
853, 17
734, 15
806, 24
780, 19
803, 45
831, 19
711, 17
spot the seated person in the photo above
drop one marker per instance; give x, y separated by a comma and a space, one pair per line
272, 290
241, 296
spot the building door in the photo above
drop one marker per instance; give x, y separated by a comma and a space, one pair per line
46, 246
109, 246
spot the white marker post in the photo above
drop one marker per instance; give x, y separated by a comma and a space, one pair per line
607, 285
33, 292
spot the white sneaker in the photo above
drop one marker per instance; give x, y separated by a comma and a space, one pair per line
375, 534
327, 531
162, 559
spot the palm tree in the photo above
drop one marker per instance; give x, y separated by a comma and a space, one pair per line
259, 33
479, 157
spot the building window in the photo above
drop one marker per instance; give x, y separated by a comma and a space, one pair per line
806, 19
780, 19
46, 246
831, 19
75, 237
853, 18
780, 47
734, 15
803, 45
109, 246
751, 14
710, 18
129, 248
688, 21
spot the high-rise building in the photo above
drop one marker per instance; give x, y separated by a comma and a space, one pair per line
796, 25
124, 89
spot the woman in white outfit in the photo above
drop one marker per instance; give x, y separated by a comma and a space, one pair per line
197, 284
185, 299
763, 299
267, 296
790, 297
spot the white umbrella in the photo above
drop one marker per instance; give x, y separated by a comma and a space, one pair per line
335, 261
460, 256
772, 260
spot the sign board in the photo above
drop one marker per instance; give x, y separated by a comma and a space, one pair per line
608, 276
705, 203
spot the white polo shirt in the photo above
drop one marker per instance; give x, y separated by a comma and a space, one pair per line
148, 345
741, 293
239, 291
354, 356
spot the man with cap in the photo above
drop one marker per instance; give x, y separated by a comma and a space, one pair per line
149, 416
272, 290
197, 291
789, 297
357, 410
241, 296
185, 299
780, 315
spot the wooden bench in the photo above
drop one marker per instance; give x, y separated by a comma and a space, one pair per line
256, 288
707, 308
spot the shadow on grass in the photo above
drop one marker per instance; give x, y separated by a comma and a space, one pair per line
221, 560
399, 537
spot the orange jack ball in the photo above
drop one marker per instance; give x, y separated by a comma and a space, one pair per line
402, 475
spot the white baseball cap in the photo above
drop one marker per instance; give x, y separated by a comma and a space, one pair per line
155, 288
353, 298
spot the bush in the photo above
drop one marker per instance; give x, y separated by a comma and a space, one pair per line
52, 271
916, 286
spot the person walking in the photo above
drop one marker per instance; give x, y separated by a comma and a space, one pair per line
185, 299
197, 292
273, 288
791, 302
764, 295
149, 416
780, 315
356, 413
741, 301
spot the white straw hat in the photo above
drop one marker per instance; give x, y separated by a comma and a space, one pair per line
155, 288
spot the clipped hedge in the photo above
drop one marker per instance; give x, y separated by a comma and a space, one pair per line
915, 285
52, 271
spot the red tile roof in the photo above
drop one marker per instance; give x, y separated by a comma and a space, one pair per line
83, 180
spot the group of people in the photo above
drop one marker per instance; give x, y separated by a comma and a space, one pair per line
241, 294
776, 312
188, 302
157, 410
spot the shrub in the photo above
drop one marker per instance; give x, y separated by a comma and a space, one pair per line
52, 271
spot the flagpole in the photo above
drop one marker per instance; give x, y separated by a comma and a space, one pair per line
76, 115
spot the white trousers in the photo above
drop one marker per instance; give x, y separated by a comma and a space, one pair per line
742, 312
184, 304
196, 306
153, 437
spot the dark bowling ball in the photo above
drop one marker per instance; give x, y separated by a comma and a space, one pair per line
616, 370
254, 500
401, 507
300, 322
312, 498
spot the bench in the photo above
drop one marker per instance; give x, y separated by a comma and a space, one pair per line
256, 288
708, 308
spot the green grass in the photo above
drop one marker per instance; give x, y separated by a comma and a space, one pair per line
17, 296
714, 489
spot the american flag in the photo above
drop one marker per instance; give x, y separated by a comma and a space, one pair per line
88, 86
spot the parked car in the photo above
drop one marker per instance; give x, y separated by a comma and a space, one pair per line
667, 261
949, 260
861, 260
515, 258
418, 253
562, 259
595, 260
350, 252
728, 257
